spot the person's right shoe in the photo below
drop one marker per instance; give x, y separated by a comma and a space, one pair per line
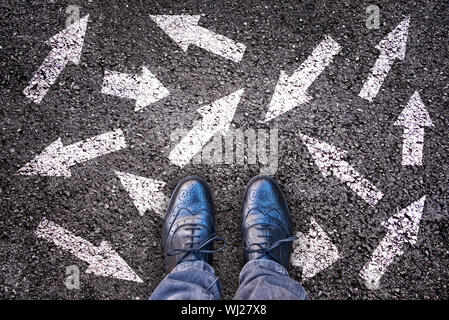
266, 223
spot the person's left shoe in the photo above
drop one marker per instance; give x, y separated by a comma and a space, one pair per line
189, 228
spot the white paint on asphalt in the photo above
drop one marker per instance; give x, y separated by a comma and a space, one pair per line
146, 193
67, 46
185, 31
290, 91
314, 251
102, 260
329, 160
145, 88
56, 159
392, 47
413, 118
402, 229
217, 117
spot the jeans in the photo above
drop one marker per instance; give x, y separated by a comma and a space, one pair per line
260, 279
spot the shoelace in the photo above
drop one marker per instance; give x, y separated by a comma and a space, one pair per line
196, 248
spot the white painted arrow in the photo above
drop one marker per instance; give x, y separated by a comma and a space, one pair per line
217, 117
102, 260
329, 160
146, 193
392, 47
145, 88
402, 229
67, 46
290, 91
313, 252
413, 118
56, 159
184, 30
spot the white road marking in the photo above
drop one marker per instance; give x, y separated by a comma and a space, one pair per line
290, 92
102, 260
329, 160
392, 47
146, 193
402, 228
184, 30
67, 46
217, 117
414, 118
56, 159
145, 88
313, 252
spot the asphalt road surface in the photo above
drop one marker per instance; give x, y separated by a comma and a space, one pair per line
373, 222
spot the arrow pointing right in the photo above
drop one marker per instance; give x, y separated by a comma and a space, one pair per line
391, 48
145, 89
414, 118
102, 260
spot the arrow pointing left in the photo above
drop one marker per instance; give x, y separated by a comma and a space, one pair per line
402, 229
56, 159
102, 260
145, 88
67, 46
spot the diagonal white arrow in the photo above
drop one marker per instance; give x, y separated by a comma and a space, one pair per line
391, 48
56, 159
67, 46
413, 118
145, 88
102, 260
217, 117
314, 251
291, 91
146, 193
185, 31
329, 160
402, 229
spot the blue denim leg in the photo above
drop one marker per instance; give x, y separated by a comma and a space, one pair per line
189, 280
264, 279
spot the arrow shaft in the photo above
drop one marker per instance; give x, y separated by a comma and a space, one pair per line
46, 75
94, 147
378, 74
364, 188
216, 43
120, 84
412, 148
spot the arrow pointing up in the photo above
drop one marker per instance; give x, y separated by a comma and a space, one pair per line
67, 46
291, 90
392, 47
56, 159
217, 117
145, 89
184, 30
414, 118
329, 160
402, 229
314, 252
146, 193
102, 260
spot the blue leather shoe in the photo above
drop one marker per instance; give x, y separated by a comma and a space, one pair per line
189, 228
266, 223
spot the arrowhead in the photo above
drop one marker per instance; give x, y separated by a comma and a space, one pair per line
150, 89
178, 27
395, 42
218, 115
287, 95
69, 42
405, 224
323, 154
146, 193
108, 263
414, 114
314, 252
49, 163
